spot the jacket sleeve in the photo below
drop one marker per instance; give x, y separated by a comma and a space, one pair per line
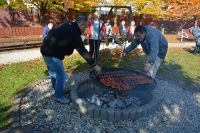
83, 51
154, 48
132, 46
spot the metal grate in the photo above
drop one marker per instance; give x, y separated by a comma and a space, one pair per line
121, 80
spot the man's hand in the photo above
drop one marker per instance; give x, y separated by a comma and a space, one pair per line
97, 68
147, 67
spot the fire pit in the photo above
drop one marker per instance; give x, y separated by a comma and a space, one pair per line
116, 94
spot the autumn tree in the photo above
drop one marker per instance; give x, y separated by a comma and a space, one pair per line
150, 7
186, 10
44, 5
63, 5
81, 5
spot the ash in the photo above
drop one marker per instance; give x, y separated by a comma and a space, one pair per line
113, 100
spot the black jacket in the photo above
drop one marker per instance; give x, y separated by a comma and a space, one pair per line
62, 40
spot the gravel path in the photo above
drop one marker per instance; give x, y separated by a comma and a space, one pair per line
180, 112
30, 54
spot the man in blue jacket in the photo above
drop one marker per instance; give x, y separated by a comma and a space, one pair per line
154, 46
61, 41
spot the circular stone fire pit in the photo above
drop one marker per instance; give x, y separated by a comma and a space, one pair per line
100, 100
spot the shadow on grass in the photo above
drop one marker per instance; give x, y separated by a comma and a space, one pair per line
174, 72
5, 113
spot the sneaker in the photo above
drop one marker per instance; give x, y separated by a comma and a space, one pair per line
62, 100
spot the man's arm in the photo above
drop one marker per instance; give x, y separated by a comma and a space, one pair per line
84, 53
132, 46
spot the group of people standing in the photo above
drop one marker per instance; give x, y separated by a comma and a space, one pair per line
63, 39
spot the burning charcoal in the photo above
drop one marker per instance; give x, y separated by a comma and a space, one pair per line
94, 97
129, 100
105, 98
96, 100
116, 103
137, 101
120, 103
113, 103
104, 105
89, 100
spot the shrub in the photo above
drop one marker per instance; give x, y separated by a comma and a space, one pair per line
3, 2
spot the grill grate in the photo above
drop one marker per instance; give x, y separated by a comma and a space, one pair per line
121, 80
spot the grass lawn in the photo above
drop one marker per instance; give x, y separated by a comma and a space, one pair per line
180, 66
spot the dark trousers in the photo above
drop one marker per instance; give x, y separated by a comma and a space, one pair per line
107, 39
116, 39
94, 48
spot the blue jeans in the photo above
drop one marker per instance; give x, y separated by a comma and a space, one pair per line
57, 74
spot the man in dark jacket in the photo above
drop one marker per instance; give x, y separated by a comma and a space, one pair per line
154, 46
61, 41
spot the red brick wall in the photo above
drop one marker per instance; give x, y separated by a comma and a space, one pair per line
20, 31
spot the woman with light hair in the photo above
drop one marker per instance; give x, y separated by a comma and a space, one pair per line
93, 34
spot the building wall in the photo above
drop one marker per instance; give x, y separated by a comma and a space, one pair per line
13, 18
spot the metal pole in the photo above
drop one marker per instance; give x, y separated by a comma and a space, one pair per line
97, 46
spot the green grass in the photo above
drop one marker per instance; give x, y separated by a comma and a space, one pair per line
180, 66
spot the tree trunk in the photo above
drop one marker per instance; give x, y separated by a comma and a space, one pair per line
42, 17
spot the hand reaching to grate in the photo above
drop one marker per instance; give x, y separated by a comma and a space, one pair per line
98, 69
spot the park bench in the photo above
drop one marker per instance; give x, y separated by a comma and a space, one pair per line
185, 34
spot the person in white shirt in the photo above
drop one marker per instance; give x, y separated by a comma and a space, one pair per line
93, 26
108, 31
